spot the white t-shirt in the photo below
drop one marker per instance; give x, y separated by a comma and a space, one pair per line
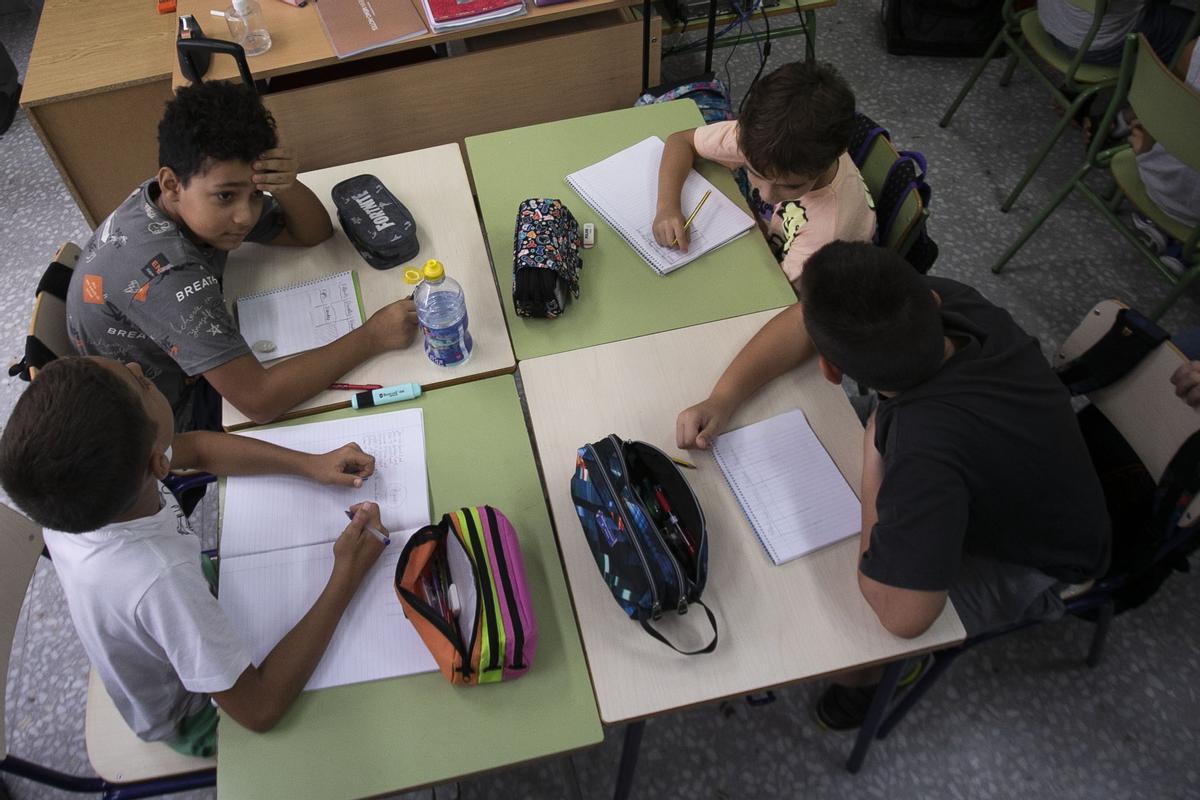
1173, 185
1069, 23
151, 627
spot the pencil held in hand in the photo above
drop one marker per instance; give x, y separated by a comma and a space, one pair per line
692, 216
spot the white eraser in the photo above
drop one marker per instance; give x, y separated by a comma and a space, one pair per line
455, 603
264, 346
589, 234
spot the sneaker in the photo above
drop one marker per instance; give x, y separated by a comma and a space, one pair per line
844, 708
1174, 265
1149, 233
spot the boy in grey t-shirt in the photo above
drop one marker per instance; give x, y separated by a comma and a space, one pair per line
148, 286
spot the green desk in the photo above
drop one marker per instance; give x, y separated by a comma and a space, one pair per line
391, 735
621, 297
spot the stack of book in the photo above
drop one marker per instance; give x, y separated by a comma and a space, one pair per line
444, 15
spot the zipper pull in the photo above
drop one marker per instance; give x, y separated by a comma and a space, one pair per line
683, 606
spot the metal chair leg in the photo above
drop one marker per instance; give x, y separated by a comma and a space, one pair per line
570, 778
975, 73
1010, 67
879, 702
941, 663
1033, 226
1104, 615
1059, 128
629, 758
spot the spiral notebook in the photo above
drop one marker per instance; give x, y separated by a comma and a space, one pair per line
304, 316
623, 190
788, 486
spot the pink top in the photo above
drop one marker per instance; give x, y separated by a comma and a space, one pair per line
797, 228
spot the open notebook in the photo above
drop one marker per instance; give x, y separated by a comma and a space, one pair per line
303, 316
623, 189
788, 486
277, 537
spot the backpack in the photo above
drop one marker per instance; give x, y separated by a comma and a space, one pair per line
706, 91
941, 27
906, 173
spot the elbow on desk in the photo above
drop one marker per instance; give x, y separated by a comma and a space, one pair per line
901, 613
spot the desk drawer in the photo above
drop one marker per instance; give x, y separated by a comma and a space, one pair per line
595, 68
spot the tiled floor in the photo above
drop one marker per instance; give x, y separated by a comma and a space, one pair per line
1019, 717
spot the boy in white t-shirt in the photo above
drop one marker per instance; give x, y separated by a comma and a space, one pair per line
791, 139
83, 454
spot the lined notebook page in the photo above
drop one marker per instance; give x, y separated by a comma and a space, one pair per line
623, 189
273, 512
266, 594
301, 317
788, 486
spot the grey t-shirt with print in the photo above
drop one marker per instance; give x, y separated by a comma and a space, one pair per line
145, 291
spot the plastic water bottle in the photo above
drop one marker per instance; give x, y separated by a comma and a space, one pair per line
442, 312
247, 26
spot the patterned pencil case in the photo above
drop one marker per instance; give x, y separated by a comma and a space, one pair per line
461, 583
546, 260
645, 529
375, 221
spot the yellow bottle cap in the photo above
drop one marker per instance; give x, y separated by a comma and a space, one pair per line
433, 269
412, 276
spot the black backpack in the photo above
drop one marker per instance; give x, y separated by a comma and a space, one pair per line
941, 27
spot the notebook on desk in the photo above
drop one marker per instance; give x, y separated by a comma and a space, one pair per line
788, 486
277, 535
303, 316
623, 189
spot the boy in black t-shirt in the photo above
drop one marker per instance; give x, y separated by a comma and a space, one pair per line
976, 482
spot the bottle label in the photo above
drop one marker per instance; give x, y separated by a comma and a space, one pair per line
450, 345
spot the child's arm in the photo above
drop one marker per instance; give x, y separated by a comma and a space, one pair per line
677, 159
263, 393
781, 346
263, 694
903, 612
305, 221
225, 454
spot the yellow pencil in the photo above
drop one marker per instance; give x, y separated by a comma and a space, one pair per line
692, 216
682, 463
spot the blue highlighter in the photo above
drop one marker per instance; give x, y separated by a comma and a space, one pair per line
388, 394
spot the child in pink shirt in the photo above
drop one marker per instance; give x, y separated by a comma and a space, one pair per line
792, 140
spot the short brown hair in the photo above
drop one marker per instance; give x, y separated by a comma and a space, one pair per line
798, 119
74, 453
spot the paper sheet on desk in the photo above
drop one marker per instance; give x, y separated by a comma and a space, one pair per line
788, 486
265, 595
273, 512
277, 539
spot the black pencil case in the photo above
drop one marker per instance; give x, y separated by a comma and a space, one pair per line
378, 225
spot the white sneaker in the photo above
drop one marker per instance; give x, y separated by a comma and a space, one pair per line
1174, 264
1149, 233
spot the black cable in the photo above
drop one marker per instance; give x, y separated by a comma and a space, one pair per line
764, 54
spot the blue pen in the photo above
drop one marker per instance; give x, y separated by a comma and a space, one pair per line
380, 535
388, 394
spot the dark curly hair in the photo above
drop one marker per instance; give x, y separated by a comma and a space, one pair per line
798, 119
75, 450
214, 121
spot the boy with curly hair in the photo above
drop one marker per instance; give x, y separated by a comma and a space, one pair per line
791, 139
148, 286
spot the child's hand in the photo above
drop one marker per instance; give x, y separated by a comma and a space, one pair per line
346, 466
1139, 139
669, 231
699, 426
393, 327
275, 171
357, 549
1187, 383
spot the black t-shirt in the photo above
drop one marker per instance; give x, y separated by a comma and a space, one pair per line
984, 458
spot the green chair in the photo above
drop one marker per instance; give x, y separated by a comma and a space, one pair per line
1169, 110
912, 214
1080, 81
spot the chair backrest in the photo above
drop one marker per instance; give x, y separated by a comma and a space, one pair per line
1142, 405
20, 547
1166, 107
48, 323
875, 167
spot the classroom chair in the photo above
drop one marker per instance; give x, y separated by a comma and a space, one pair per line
1079, 81
1169, 110
906, 222
1123, 363
127, 766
